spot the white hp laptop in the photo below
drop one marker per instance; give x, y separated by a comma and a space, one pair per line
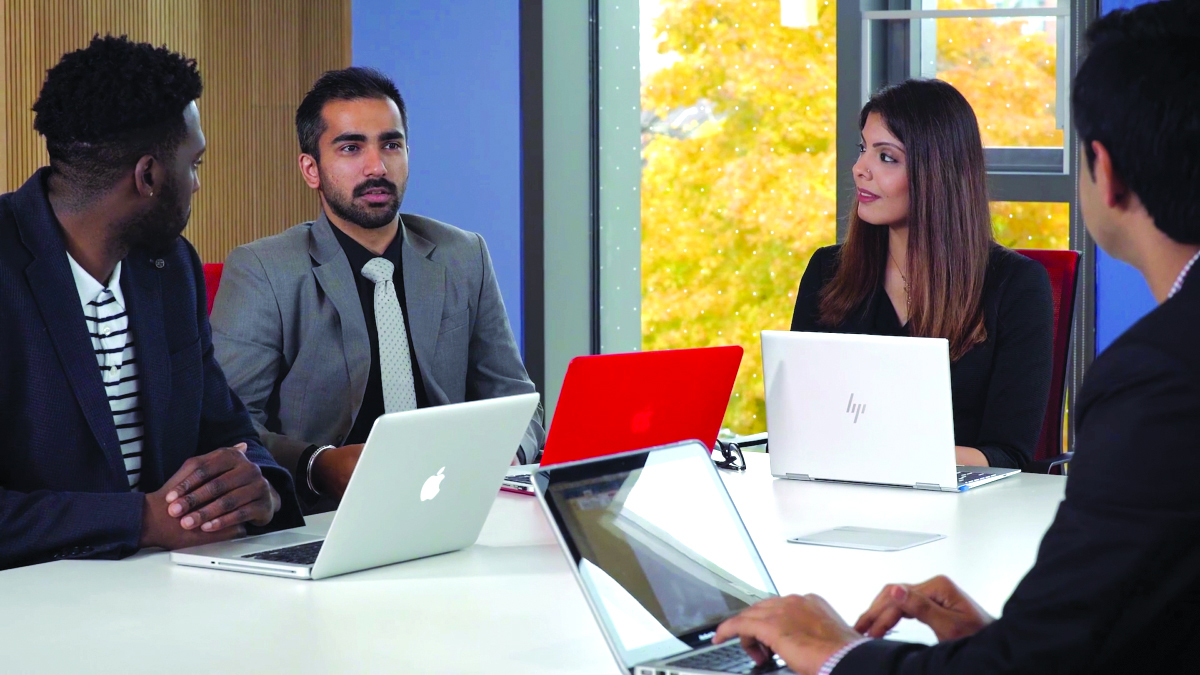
661, 555
864, 409
423, 485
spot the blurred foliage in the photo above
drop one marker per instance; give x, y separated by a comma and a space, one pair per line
733, 208
1007, 70
1032, 224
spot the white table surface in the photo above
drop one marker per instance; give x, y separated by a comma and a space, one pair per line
508, 604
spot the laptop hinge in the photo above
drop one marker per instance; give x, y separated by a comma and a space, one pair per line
798, 476
928, 486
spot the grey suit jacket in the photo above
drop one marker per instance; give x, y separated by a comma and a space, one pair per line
289, 332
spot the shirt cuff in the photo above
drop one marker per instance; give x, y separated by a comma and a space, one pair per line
833, 661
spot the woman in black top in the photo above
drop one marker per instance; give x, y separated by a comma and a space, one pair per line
919, 260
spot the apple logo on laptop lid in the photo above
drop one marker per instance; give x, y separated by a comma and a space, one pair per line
432, 486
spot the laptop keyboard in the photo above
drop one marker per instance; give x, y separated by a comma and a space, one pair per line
300, 554
730, 658
965, 477
522, 478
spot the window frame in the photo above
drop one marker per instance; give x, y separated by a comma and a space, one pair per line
1001, 161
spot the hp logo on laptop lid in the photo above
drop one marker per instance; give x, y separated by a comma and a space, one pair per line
855, 408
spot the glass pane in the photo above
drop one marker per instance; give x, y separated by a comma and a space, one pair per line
738, 180
1006, 68
1032, 224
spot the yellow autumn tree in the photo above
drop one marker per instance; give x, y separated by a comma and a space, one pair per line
732, 212
738, 182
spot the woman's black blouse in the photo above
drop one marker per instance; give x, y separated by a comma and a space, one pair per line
1000, 386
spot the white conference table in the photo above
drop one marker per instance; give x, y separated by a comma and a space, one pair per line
508, 604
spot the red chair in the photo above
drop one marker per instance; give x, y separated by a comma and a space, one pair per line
1062, 267
212, 279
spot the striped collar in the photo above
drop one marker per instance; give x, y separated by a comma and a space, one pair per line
1182, 275
89, 288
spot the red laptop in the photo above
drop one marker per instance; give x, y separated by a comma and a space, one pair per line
619, 402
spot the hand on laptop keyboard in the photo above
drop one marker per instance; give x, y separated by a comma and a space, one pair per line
803, 630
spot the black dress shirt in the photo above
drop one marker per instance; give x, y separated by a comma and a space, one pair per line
999, 387
372, 405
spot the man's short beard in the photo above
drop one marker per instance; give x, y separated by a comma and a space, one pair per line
156, 228
366, 218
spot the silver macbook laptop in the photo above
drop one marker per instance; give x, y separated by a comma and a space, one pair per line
424, 485
661, 555
864, 409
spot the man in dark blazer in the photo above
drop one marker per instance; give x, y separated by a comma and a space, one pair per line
318, 351
1116, 584
119, 430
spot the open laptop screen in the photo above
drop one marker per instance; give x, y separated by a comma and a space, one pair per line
659, 547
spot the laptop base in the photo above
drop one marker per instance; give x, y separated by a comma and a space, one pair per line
520, 480
724, 658
974, 477
231, 555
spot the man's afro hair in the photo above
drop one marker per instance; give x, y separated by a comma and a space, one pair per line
115, 90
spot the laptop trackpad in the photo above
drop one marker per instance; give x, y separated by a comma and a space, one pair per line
241, 547
867, 538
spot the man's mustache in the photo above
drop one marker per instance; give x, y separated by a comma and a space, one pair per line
375, 184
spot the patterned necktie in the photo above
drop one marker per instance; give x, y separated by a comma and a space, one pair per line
395, 364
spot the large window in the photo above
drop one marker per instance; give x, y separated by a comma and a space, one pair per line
740, 170
738, 181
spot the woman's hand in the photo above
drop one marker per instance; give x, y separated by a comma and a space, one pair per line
964, 456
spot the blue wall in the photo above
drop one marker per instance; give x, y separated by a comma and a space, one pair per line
1110, 5
457, 64
1122, 296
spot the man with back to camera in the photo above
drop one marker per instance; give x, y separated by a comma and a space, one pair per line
1116, 584
119, 429
364, 311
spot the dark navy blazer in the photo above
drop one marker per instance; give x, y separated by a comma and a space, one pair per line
63, 486
1116, 585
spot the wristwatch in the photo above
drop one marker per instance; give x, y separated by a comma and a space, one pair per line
312, 460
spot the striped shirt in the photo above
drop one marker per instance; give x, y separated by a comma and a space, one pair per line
828, 666
1178, 285
112, 341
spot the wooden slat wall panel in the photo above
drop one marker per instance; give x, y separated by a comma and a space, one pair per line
257, 58
5, 46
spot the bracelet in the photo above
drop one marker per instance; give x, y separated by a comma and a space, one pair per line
311, 460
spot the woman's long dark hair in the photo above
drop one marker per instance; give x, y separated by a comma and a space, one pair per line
949, 221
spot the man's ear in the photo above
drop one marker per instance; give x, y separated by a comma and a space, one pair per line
147, 175
1110, 186
309, 171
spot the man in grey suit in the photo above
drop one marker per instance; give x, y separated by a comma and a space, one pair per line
363, 311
